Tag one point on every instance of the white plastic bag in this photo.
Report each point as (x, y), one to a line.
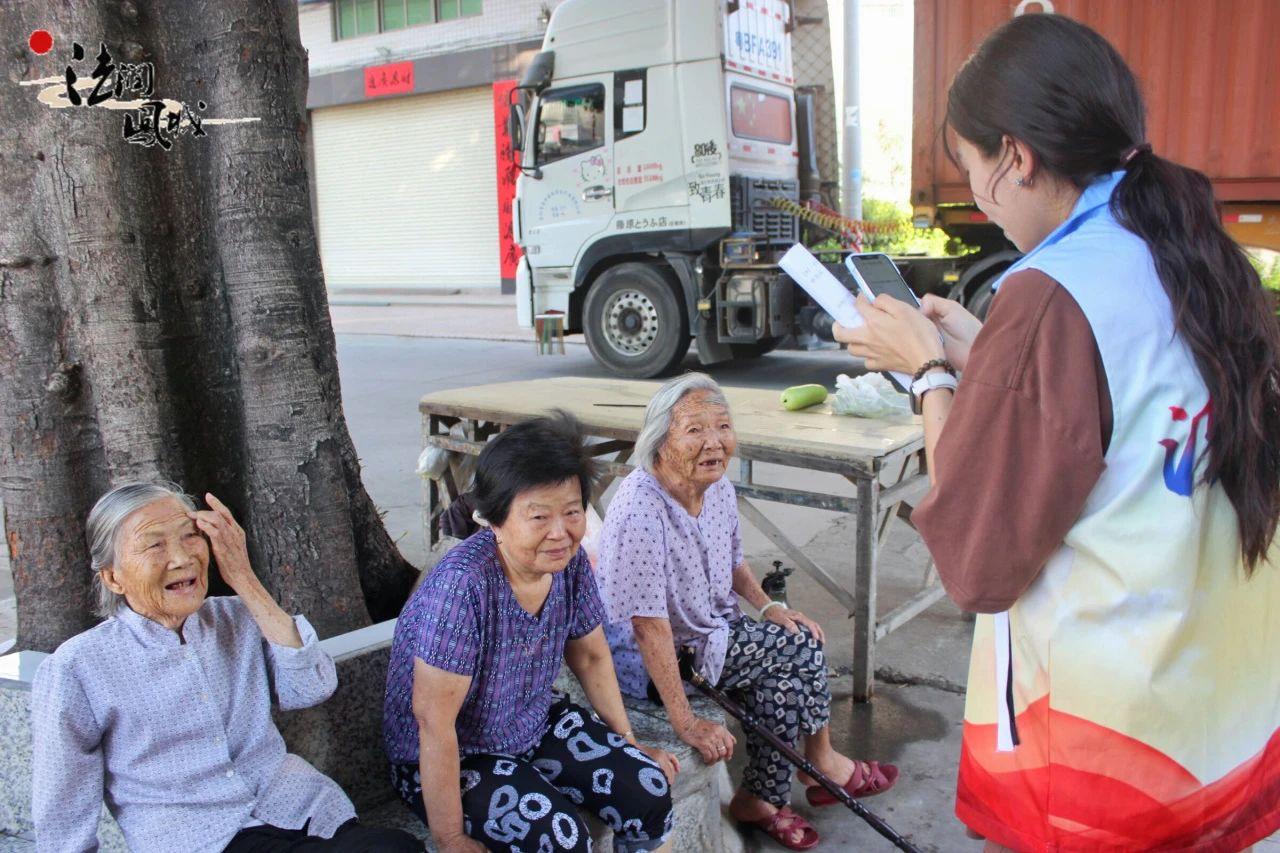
(591, 541)
(433, 461)
(869, 396)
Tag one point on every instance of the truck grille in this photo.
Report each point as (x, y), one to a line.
(751, 210)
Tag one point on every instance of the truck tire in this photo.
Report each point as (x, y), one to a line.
(634, 321)
(974, 288)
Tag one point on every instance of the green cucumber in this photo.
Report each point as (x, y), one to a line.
(802, 397)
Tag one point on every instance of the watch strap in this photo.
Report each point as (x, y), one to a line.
(929, 382)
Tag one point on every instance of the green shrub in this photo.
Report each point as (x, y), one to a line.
(1268, 266)
(894, 234)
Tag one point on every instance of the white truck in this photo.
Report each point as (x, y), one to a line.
(651, 137)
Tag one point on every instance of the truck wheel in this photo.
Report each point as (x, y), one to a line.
(634, 322)
(974, 287)
(980, 302)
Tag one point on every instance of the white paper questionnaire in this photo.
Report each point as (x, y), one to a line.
(833, 297)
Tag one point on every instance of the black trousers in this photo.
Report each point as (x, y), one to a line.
(351, 837)
(531, 801)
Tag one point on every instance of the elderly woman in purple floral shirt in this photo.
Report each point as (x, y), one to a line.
(671, 571)
(480, 747)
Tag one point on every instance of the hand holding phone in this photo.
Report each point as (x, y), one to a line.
(959, 328)
(876, 273)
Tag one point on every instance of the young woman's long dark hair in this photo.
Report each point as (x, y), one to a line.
(1063, 90)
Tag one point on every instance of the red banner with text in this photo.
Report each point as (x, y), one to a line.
(509, 251)
(395, 78)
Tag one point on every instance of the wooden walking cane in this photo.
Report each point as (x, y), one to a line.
(691, 675)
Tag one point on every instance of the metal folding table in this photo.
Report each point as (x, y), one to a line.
(881, 458)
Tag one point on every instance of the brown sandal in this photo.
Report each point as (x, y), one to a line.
(868, 779)
(781, 826)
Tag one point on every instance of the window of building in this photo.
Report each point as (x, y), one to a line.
(760, 115)
(398, 14)
(450, 9)
(570, 121)
(363, 17)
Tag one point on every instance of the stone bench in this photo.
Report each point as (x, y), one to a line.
(342, 737)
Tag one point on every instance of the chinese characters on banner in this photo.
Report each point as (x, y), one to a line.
(509, 250)
(393, 79)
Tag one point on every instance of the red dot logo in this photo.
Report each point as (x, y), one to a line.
(41, 41)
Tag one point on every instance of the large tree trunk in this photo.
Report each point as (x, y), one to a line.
(163, 313)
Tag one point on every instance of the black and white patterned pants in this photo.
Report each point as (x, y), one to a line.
(781, 679)
(527, 803)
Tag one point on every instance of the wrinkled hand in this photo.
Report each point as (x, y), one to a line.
(460, 844)
(713, 741)
(669, 763)
(792, 620)
(227, 540)
(895, 337)
(959, 327)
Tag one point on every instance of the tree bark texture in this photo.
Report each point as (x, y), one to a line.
(163, 313)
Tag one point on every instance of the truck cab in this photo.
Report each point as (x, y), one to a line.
(653, 137)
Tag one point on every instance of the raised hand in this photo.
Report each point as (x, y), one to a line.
(227, 540)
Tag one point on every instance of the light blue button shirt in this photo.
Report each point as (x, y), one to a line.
(176, 736)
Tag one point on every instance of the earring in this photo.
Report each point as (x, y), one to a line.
(1019, 182)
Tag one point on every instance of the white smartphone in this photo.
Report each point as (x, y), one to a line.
(875, 273)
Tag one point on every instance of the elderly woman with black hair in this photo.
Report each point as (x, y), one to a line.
(164, 709)
(671, 571)
(481, 748)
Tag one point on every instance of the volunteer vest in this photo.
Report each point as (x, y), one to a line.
(1141, 670)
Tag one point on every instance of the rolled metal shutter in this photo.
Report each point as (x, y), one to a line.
(407, 192)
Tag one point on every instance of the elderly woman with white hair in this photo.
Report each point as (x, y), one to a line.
(671, 571)
(163, 710)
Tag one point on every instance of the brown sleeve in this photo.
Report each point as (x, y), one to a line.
(1022, 447)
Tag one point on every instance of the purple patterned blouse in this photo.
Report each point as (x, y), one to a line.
(657, 560)
(465, 618)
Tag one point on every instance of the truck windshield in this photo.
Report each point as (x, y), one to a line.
(570, 121)
(760, 115)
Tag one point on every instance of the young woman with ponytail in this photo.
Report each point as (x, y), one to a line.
(1106, 475)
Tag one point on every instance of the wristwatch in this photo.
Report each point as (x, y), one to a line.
(926, 383)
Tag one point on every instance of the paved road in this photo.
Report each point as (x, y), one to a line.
(384, 376)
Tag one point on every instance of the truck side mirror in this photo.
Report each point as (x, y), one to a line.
(515, 128)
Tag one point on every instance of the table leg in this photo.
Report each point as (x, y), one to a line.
(433, 494)
(864, 590)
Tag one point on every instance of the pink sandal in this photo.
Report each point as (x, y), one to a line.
(782, 824)
(868, 779)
